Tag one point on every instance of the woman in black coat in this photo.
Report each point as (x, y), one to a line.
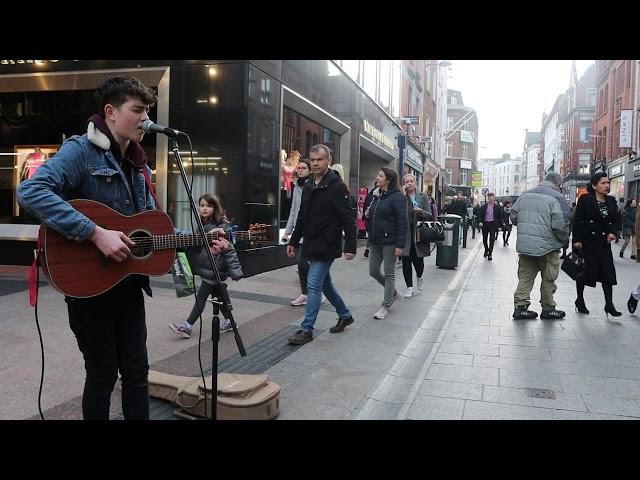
(597, 221)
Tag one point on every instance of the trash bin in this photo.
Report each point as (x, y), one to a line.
(447, 251)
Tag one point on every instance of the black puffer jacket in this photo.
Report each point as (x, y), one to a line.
(324, 213)
(388, 220)
(227, 262)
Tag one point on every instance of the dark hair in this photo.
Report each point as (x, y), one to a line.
(491, 194)
(118, 90)
(392, 176)
(507, 202)
(306, 162)
(621, 199)
(628, 204)
(594, 181)
(214, 202)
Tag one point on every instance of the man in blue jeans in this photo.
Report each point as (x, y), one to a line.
(325, 212)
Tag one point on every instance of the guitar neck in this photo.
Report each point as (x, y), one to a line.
(163, 242)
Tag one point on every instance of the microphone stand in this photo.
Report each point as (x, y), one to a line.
(220, 294)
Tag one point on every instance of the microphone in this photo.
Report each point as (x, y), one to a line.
(149, 127)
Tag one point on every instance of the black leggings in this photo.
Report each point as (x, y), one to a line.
(506, 233)
(606, 288)
(418, 263)
(204, 291)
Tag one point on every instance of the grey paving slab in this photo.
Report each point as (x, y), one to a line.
(527, 378)
(530, 342)
(469, 348)
(499, 362)
(563, 401)
(392, 389)
(435, 408)
(293, 409)
(614, 387)
(375, 410)
(464, 337)
(440, 388)
(459, 373)
(453, 359)
(501, 411)
(572, 415)
(612, 405)
(514, 396)
(524, 352)
(407, 367)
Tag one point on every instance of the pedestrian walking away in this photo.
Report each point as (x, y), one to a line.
(304, 171)
(506, 223)
(595, 226)
(629, 228)
(418, 208)
(490, 220)
(227, 263)
(325, 212)
(542, 217)
(107, 165)
(388, 231)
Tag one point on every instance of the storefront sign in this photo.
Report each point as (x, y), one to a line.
(466, 164)
(626, 119)
(376, 134)
(636, 170)
(466, 136)
(617, 170)
(476, 179)
(413, 158)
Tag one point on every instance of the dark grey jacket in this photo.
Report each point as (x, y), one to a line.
(227, 262)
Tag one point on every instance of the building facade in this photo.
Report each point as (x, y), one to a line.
(461, 156)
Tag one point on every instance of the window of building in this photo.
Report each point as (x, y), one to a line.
(453, 100)
(463, 177)
(449, 123)
(591, 97)
(605, 99)
(449, 152)
(396, 86)
(465, 151)
(370, 77)
(385, 83)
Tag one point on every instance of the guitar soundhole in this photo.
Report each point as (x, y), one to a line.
(144, 244)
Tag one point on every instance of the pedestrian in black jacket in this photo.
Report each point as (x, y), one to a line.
(388, 233)
(596, 225)
(367, 203)
(506, 223)
(324, 213)
(490, 219)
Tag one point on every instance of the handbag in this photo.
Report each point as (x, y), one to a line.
(429, 231)
(573, 265)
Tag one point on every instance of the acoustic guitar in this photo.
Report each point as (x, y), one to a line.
(80, 270)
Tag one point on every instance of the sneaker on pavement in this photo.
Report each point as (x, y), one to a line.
(408, 293)
(420, 284)
(342, 323)
(183, 329)
(300, 337)
(366, 253)
(380, 314)
(552, 314)
(301, 300)
(632, 304)
(523, 313)
(226, 326)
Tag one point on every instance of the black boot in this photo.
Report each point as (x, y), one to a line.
(523, 313)
(581, 307)
(632, 304)
(609, 309)
(554, 314)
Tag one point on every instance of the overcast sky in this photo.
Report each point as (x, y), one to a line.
(509, 96)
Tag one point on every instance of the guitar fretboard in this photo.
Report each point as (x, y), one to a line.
(163, 242)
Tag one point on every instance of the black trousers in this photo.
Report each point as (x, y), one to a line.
(112, 335)
(203, 293)
(418, 263)
(489, 229)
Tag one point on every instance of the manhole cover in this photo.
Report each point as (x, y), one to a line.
(541, 393)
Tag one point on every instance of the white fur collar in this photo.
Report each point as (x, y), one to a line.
(98, 138)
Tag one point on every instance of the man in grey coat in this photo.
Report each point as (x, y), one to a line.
(542, 216)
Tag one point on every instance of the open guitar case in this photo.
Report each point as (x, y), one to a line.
(240, 397)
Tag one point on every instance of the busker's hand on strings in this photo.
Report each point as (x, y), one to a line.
(219, 245)
(291, 251)
(112, 243)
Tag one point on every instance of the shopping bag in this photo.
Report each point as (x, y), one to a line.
(182, 275)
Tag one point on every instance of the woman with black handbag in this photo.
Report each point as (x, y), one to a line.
(595, 226)
(418, 208)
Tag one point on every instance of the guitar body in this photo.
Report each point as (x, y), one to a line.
(81, 270)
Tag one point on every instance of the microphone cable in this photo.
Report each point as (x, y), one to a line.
(40, 337)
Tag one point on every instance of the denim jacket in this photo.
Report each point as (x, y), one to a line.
(84, 167)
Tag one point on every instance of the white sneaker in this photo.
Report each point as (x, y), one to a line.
(420, 284)
(380, 314)
(301, 300)
(408, 293)
(226, 326)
